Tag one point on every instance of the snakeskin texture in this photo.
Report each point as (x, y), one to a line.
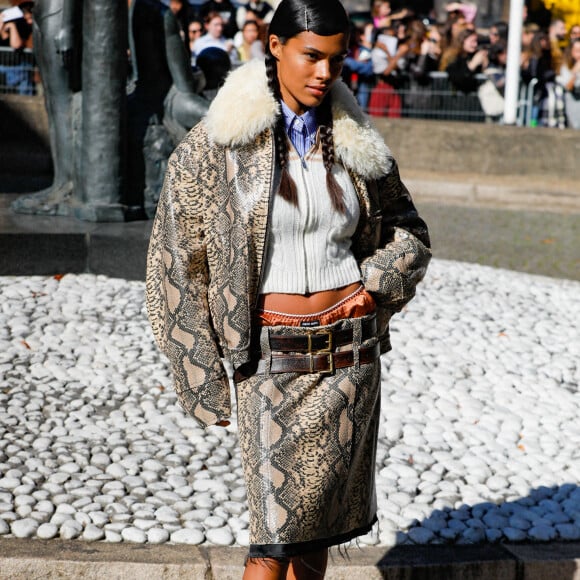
(178, 279)
(308, 445)
(206, 253)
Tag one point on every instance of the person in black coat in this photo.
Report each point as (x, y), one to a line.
(467, 62)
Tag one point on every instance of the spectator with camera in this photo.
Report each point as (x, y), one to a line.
(464, 60)
(16, 26)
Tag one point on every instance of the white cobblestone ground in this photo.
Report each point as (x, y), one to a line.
(480, 438)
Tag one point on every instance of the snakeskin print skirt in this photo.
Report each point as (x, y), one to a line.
(308, 444)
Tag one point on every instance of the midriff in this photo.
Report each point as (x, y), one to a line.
(305, 303)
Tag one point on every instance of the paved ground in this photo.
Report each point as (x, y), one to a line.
(536, 242)
(511, 229)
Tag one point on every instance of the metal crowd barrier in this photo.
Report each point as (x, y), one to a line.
(525, 112)
(438, 99)
(435, 99)
(18, 72)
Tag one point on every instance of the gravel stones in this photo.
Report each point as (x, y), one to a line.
(480, 394)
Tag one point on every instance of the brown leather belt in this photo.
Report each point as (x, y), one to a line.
(314, 340)
(322, 362)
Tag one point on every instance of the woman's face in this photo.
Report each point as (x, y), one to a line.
(194, 30)
(384, 9)
(574, 32)
(470, 43)
(401, 31)
(215, 27)
(434, 35)
(250, 33)
(175, 6)
(575, 51)
(308, 64)
(527, 37)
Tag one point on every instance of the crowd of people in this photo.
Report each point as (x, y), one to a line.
(394, 51)
(392, 56)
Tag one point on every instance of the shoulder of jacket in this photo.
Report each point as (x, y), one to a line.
(358, 143)
(243, 108)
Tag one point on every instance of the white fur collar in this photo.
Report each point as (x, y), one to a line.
(244, 108)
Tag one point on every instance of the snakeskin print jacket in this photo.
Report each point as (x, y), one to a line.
(207, 246)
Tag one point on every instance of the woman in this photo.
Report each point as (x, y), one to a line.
(284, 241)
(250, 46)
(422, 60)
(573, 33)
(194, 31)
(17, 33)
(548, 97)
(214, 38)
(569, 78)
(430, 54)
(383, 16)
(463, 61)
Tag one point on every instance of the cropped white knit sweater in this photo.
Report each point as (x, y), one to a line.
(309, 246)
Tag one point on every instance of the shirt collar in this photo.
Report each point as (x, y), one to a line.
(292, 120)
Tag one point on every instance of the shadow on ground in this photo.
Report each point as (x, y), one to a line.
(481, 541)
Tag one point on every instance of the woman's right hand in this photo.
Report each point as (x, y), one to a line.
(479, 59)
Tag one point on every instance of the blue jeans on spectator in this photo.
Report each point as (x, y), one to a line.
(18, 78)
(366, 79)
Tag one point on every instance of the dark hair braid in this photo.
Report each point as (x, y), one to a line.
(287, 188)
(324, 114)
(291, 17)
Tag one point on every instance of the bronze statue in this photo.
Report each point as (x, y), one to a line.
(77, 44)
(164, 104)
(109, 149)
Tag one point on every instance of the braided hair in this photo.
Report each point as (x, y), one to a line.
(324, 18)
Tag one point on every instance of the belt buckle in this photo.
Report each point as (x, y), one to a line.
(329, 345)
(330, 358)
(327, 351)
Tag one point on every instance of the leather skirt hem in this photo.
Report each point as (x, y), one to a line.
(281, 551)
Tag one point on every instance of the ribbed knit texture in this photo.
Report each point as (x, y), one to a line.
(309, 246)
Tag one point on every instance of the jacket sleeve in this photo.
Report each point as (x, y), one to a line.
(461, 76)
(176, 296)
(392, 272)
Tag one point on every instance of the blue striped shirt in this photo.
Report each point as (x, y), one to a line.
(301, 129)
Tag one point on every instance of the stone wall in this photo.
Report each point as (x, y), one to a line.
(493, 150)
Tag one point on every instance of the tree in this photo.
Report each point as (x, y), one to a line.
(567, 10)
